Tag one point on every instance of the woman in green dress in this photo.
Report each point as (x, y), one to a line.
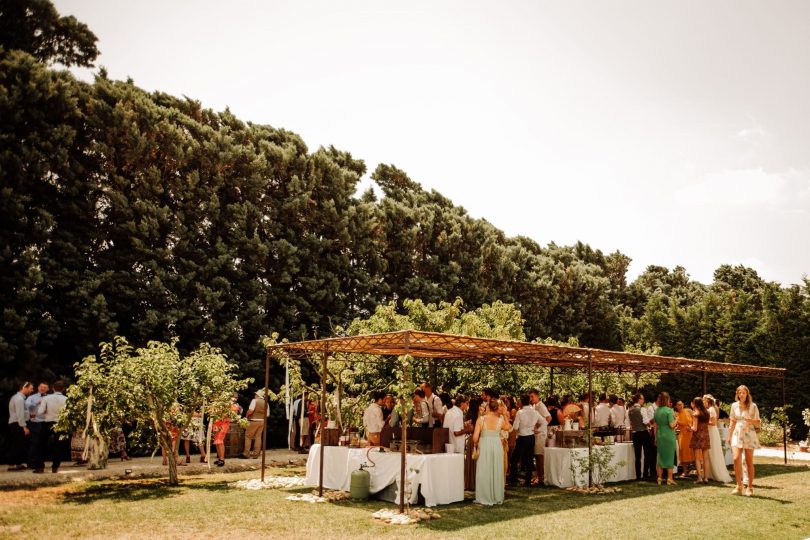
(665, 423)
(489, 477)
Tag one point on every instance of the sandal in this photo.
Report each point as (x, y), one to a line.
(737, 490)
(749, 491)
(672, 483)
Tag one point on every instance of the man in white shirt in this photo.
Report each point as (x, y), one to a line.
(373, 420)
(540, 435)
(618, 412)
(256, 413)
(454, 422)
(434, 405)
(50, 407)
(18, 427)
(601, 413)
(525, 424)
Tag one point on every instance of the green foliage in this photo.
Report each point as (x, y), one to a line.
(155, 386)
(770, 433)
(35, 27)
(125, 212)
(599, 463)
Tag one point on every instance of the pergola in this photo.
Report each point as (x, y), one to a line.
(468, 351)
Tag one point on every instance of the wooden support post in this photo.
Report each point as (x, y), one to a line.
(588, 420)
(323, 412)
(784, 431)
(404, 420)
(266, 405)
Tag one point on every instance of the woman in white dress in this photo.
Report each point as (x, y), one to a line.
(742, 437)
(717, 461)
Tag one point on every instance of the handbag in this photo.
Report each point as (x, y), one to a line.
(475, 453)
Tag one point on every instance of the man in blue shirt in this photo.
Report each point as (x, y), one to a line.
(37, 443)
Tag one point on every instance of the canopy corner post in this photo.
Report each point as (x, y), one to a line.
(705, 382)
(266, 405)
(588, 420)
(784, 428)
(323, 412)
(404, 424)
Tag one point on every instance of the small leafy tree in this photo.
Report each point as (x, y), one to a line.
(154, 386)
(600, 464)
(96, 404)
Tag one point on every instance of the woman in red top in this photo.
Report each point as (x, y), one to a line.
(313, 417)
(221, 428)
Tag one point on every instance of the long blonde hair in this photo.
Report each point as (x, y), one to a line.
(748, 400)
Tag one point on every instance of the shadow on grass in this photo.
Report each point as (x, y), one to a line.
(764, 470)
(134, 491)
(523, 502)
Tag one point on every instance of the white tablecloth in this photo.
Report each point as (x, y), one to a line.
(439, 477)
(723, 438)
(558, 465)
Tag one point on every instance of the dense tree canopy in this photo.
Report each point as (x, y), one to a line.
(141, 214)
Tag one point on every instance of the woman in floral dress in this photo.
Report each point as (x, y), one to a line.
(742, 437)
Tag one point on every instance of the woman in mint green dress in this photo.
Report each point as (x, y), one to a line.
(489, 477)
(665, 423)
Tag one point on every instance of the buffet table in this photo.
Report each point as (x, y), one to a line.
(438, 477)
(558, 465)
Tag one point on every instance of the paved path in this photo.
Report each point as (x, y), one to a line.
(793, 453)
(143, 467)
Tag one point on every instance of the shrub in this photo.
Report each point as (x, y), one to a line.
(771, 433)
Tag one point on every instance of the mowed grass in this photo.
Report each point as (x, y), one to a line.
(208, 506)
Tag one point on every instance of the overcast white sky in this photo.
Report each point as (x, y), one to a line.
(677, 132)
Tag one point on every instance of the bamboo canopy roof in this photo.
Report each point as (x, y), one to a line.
(483, 352)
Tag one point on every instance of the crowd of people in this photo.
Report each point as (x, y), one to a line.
(33, 440)
(505, 439)
(31, 419)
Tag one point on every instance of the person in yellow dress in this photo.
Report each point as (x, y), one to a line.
(685, 454)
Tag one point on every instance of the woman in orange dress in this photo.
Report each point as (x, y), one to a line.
(685, 454)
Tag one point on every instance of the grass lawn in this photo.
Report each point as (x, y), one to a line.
(206, 505)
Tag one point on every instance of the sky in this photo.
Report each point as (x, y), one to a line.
(677, 132)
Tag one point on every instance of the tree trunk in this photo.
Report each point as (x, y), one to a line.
(170, 451)
(96, 451)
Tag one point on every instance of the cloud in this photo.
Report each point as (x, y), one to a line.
(750, 133)
(787, 191)
(753, 132)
